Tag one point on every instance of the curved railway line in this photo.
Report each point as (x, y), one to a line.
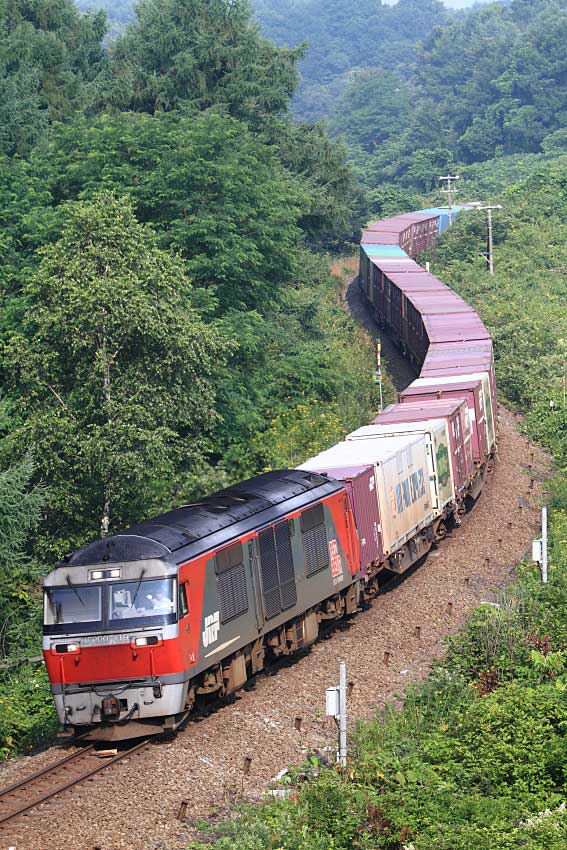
(38, 787)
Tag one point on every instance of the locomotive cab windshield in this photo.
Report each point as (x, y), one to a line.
(110, 605)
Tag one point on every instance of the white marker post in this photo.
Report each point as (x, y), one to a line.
(342, 754)
(544, 544)
(539, 547)
(336, 701)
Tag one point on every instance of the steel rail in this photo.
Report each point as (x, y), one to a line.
(58, 789)
(49, 769)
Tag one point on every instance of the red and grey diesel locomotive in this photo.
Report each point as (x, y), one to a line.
(138, 625)
(141, 625)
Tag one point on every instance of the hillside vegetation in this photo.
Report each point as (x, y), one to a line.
(416, 90)
(344, 39)
(488, 87)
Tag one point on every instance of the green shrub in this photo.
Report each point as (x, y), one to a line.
(27, 713)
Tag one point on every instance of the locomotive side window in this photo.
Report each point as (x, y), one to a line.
(314, 536)
(183, 607)
(72, 605)
(231, 580)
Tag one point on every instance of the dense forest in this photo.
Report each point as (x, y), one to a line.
(416, 89)
(487, 94)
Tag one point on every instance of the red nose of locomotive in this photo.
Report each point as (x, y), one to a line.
(110, 641)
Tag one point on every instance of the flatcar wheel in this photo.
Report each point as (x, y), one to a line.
(441, 533)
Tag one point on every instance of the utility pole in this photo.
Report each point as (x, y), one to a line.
(449, 190)
(489, 253)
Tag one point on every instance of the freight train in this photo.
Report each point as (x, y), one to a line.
(142, 625)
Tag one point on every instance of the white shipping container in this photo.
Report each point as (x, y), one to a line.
(486, 396)
(435, 431)
(401, 466)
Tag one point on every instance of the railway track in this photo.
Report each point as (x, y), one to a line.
(44, 784)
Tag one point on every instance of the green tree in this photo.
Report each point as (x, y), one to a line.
(21, 502)
(49, 55)
(213, 192)
(113, 373)
(496, 77)
(335, 206)
(375, 106)
(197, 54)
(343, 37)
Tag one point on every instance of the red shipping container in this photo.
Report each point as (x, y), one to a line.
(389, 226)
(361, 485)
(455, 411)
(438, 301)
(455, 349)
(441, 368)
(381, 237)
(401, 265)
(462, 327)
(418, 282)
(470, 389)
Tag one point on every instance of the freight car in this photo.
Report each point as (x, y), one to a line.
(142, 625)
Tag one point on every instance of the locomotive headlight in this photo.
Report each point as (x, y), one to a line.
(99, 575)
(151, 640)
(61, 648)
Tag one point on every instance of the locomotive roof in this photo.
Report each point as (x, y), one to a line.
(210, 522)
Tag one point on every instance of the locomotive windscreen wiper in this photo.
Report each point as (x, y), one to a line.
(142, 574)
(75, 591)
